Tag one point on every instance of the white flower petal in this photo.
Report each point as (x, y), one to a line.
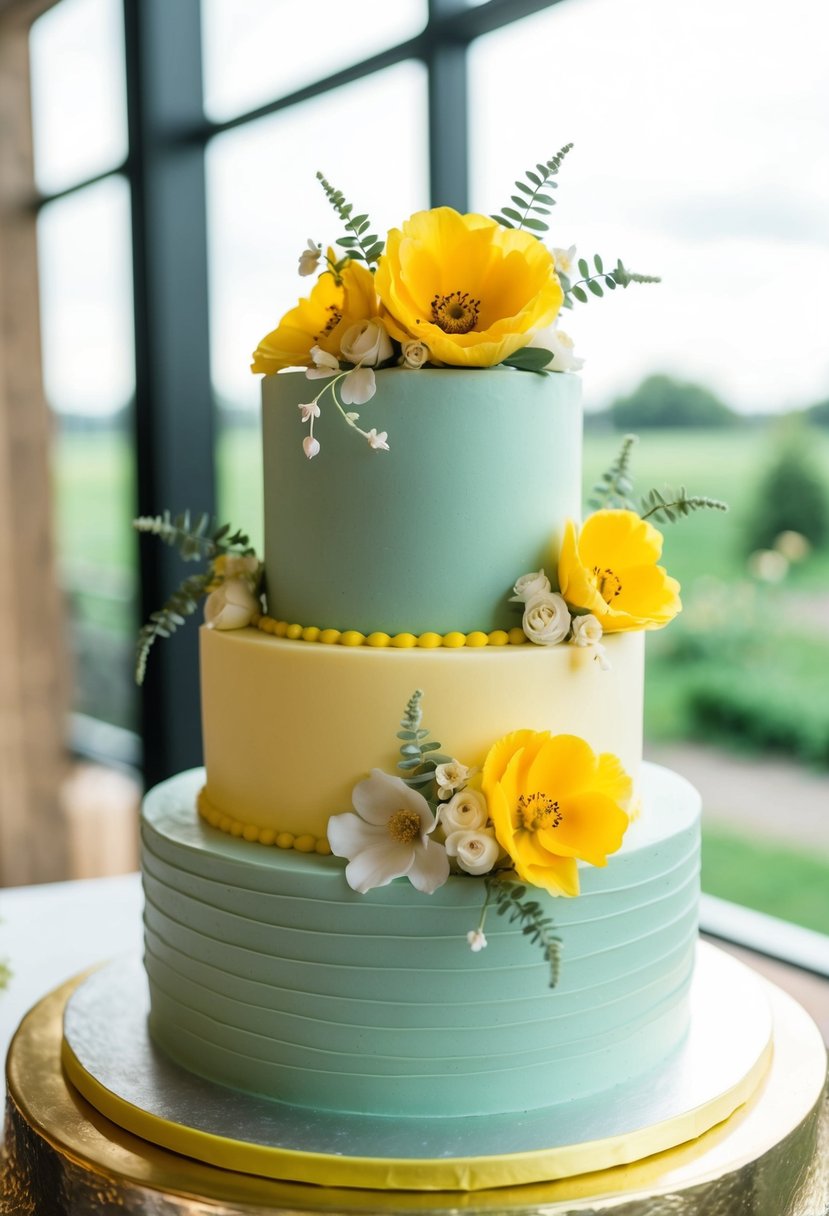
(379, 865)
(358, 387)
(348, 834)
(430, 869)
(380, 795)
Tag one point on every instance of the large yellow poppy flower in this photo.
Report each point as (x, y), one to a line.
(553, 800)
(320, 320)
(473, 291)
(609, 568)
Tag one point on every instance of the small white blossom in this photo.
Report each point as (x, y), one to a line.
(309, 258)
(367, 343)
(565, 260)
(529, 586)
(324, 364)
(476, 939)
(475, 852)
(389, 837)
(546, 619)
(358, 387)
(308, 411)
(450, 777)
(587, 630)
(310, 446)
(378, 442)
(351, 416)
(231, 606)
(413, 354)
(600, 657)
(560, 346)
(467, 811)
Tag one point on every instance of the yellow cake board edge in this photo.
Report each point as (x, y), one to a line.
(457, 1174)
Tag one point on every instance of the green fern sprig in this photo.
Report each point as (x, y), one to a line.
(614, 489)
(510, 899)
(193, 540)
(419, 758)
(677, 505)
(598, 279)
(360, 244)
(181, 604)
(533, 201)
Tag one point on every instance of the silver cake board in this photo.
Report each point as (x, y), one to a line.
(111, 1060)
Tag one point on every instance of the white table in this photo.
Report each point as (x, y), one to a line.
(51, 932)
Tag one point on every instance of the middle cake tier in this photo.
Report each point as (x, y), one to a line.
(290, 727)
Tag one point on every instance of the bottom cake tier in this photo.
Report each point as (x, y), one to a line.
(270, 975)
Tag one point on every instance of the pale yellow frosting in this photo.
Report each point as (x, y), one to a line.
(289, 728)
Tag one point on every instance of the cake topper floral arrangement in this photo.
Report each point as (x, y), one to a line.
(443, 290)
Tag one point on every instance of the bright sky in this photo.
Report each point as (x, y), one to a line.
(701, 154)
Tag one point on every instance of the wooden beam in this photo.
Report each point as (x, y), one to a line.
(33, 670)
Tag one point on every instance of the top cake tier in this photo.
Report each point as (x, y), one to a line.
(483, 469)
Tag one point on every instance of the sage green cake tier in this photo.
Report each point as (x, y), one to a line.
(269, 974)
(484, 468)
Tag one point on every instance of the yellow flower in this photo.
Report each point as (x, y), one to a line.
(320, 320)
(472, 291)
(609, 568)
(552, 800)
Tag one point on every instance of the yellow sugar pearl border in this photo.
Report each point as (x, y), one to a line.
(255, 834)
(398, 641)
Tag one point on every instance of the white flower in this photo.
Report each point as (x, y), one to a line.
(476, 852)
(565, 260)
(587, 630)
(388, 838)
(324, 365)
(560, 346)
(231, 606)
(378, 442)
(308, 411)
(546, 619)
(529, 586)
(476, 940)
(450, 777)
(366, 342)
(413, 354)
(309, 258)
(467, 812)
(310, 446)
(358, 387)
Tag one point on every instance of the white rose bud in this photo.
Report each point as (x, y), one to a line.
(414, 354)
(561, 347)
(450, 776)
(587, 630)
(546, 619)
(475, 852)
(529, 586)
(467, 812)
(231, 606)
(366, 342)
(476, 939)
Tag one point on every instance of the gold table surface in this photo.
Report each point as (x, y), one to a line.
(769, 1159)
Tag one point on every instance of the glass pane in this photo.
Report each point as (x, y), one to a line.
(78, 92)
(263, 204)
(88, 361)
(256, 50)
(700, 155)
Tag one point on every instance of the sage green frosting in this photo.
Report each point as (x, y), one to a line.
(483, 469)
(269, 974)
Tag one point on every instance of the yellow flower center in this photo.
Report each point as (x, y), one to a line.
(536, 811)
(404, 826)
(608, 584)
(456, 313)
(335, 316)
